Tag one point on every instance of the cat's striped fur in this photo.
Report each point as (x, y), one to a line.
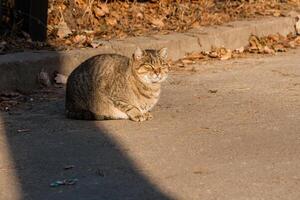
(111, 86)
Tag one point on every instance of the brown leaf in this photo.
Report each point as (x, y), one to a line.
(44, 79)
(96, 43)
(255, 43)
(195, 56)
(79, 39)
(274, 37)
(297, 40)
(60, 79)
(140, 15)
(240, 50)
(104, 8)
(80, 3)
(292, 44)
(277, 13)
(196, 24)
(111, 21)
(268, 50)
(227, 55)
(157, 22)
(187, 61)
(213, 54)
(63, 30)
(279, 48)
(98, 12)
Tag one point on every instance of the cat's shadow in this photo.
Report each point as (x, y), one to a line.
(54, 143)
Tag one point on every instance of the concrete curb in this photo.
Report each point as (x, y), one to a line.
(18, 71)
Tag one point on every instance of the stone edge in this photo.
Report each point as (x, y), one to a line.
(18, 71)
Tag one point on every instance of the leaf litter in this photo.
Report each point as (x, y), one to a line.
(270, 44)
(119, 19)
(77, 23)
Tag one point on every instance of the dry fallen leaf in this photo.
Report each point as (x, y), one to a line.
(96, 43)
(98, 12)
(227, 55)
(277, 13)
(213, 54)
(274, 37)
(63, 30)
(268, 50)
(196, 24)
(79, 39)
(44, 79)
(60, 79)
(279, 48)
(297, 40)
(255, 43)
(111, 21)
(240, 50)
(292, 44)
(195, 56)
(213, 91)
(80, 3)
(157, 22)
(104, 8)
(140, 15)
(187, 61)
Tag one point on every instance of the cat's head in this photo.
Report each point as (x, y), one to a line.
(151, 66)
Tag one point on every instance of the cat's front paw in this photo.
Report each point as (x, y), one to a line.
(138, 118)
(148, 116)
(142, 117)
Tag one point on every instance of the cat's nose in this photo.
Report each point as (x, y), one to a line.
(157, 71)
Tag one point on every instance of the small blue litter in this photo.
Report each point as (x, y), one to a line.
(71, 181)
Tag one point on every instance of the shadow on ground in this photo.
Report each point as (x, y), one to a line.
(39, 156)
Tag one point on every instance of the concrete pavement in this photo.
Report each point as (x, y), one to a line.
(226, 130)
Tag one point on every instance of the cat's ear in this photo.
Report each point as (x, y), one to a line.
(163, 53)
(138, 53)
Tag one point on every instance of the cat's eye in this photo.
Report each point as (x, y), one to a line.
(149, 67)
(165, 66)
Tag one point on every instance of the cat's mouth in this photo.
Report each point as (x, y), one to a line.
(150, 79)
(159, 79)
(156, 79)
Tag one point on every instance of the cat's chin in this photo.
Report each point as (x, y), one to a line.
(157, 81)
(154, 82)
(149, 82)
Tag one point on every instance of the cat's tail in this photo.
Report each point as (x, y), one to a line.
(85, 115)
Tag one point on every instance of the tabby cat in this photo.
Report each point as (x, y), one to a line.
(112, 86)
